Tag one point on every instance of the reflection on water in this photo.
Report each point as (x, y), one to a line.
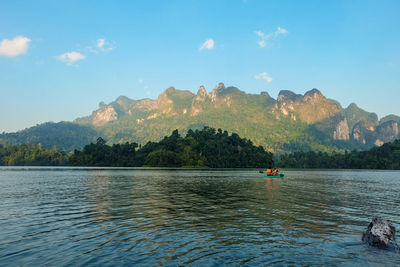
(157, 216)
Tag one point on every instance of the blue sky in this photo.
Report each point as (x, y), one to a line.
(59, 59)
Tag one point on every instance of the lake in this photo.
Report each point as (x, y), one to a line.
(148, 216)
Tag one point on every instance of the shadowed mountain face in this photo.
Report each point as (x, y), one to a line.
(65, 136)
(289, 123)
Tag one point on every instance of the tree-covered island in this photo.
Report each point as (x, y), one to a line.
(199, 148)
(206, 148)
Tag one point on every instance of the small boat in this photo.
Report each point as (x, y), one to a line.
(275, 176)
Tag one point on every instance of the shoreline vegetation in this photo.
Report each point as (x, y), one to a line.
(206, 148)
(386, 157)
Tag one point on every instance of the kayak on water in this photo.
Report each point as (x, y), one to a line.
(275, 176)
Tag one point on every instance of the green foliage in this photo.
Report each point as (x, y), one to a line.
(163, 158)
(100, 154)
(385, 157)
(65, 135)
(31, 155)
(199, 148)
(390, 117)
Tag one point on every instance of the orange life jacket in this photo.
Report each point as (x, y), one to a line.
(269, 171)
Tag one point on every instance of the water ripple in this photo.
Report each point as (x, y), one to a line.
(192, 217)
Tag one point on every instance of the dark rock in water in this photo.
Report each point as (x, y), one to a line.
(381, 234)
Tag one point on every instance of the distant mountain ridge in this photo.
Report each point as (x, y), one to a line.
(66, 136)
(291, 122)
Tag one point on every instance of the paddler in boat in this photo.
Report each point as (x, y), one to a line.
(269, 171)
(275, 172)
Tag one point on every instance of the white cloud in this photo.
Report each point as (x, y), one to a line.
(263, 76)
(281, 31)
(17, 46)
(208, 44)
(265, 37)
(71, 57)
(103, 45)
(100, 43)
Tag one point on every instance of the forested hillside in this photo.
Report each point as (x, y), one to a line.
(66, 136)
(385, 157)
(292, 122)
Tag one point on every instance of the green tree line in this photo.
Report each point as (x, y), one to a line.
(199, 148)
(386, 156)
(31, 155)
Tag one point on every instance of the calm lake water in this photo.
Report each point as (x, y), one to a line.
(72, 216)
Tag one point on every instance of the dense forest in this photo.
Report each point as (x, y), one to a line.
(208, 148)
(31, 155)
(386, 156)
(199, 148)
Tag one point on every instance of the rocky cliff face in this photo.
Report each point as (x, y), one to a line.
(311, 108)
(144, 105)
(354, 114)
(366, 133)
(198, 101)
(290, 119)
(363, 131)
(316, 107)
(387, 131)
(222, 96)
(164, 103)
(104, 115)
(342, 131)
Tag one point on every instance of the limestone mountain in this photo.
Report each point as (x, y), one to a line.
(291, 122)
(311, 108)
(390, 117)
(354, 114)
